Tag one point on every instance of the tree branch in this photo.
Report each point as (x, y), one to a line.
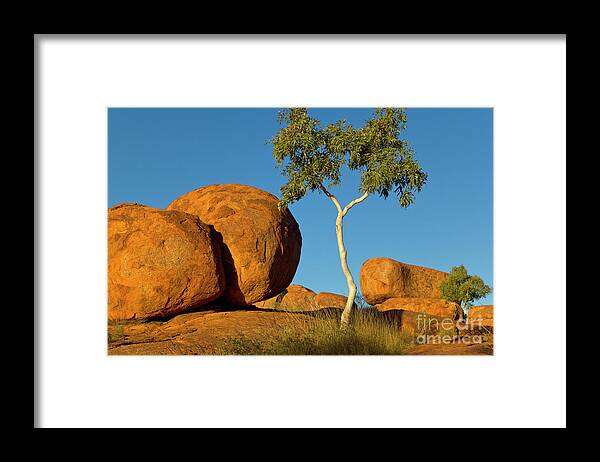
(354, 202)
(333, 199)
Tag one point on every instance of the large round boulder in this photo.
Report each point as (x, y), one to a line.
(383, 278)
(160, 263)
(330, 300)
(260, 244)
(293, 298)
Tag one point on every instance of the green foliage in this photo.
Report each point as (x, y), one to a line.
(312, 156)
(116, 331)
(462, 288)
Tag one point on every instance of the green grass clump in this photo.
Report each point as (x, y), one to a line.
(116, 331)
(320, 334)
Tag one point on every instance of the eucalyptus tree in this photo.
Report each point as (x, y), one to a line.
(311, 158)
(462, 288)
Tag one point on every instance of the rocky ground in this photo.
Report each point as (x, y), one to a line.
(200, 333)
(485, 348)
(192, 333)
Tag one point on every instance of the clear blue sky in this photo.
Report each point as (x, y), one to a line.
(155, 155)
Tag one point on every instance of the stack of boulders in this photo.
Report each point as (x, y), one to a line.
(228, 243)
(406, 291)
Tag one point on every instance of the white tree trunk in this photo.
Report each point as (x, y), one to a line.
(349, 279)
(345, 320)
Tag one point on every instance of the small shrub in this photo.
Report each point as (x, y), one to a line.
(116, 331)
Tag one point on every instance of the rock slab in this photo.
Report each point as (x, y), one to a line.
(431, 306)
(482, 315)
(197, 333)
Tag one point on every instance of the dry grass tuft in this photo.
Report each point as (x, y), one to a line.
(320, 334)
